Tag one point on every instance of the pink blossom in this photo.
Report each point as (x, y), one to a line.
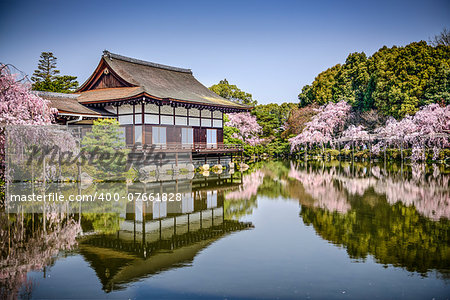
(249, 129)
(323, 126)
(427, 128)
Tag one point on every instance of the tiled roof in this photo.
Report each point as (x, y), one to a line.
(110, 94)
(68, 103)
(155, 80)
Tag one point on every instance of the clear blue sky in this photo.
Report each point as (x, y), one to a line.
(269, 49)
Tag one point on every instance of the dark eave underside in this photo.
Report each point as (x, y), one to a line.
(136, 95)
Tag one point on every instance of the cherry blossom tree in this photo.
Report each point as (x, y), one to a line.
(323, 127)
(23, 115)
(355, 133)
(249, 129)
(427, 128)
(19, 106)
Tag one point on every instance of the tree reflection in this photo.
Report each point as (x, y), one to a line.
(240, 202)
(393, 234)
(332, 186)
(398, 217)
(30, 243)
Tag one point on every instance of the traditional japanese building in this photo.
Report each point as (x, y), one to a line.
(154, 104)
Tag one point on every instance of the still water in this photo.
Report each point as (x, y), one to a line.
(279, 230)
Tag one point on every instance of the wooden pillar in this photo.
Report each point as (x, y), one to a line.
(306, 152)
(323, 151)
(401, 150)
(188, 222)
(353, 150)
(143, 231)
(175, 225)
(160, 230)
(134, 224)
(339, 148)
(223, 216)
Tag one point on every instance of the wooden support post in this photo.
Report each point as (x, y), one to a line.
(339, 148)
(353, 150)
(223, 217)
(401, 150)
(323, 152)
(175, 225)
(306, 152)
(143, 231)
(160, 230)
(188, 223)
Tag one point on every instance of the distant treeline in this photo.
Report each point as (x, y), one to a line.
(394, 81)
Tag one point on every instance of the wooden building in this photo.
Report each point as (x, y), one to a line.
(157, 104)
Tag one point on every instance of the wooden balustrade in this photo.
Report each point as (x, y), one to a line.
(197, 148)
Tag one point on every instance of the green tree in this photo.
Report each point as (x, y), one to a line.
(46, 70)
(438, 88)
(46, 77)
(273, 119)
(396, 81)
(105, 141)
(233, 93)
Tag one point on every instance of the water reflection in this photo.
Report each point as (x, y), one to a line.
(122, 241)
(31, 242)
(397, 214)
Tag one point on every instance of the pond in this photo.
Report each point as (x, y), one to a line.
(281, 229)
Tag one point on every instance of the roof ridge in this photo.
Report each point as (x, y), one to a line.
(56, 94)
(110, 55)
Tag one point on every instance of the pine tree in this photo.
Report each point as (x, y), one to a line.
(46, 68)
(46, 76)
(106, 143)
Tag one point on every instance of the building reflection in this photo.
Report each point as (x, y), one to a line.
(122, 241)
(157, 236)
